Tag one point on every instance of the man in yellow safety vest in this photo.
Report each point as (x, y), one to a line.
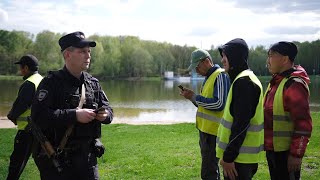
(19, 112)
(240, 135)
(210, 103)
(287, 119)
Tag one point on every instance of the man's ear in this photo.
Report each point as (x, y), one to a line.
(286, 60)
(23, 66)
(26, 68)
(208, 61)
(66, 54)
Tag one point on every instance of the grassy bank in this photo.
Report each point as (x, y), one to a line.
(156, 152)
(10, 77)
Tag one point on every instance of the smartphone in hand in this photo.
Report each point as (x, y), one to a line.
(99, 109)
(181, 87)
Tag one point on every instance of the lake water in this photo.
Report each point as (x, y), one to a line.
(146, 102)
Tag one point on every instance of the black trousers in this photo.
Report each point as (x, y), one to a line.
(245, 171)
(209, 165)
(20, 155)
(80, 164)
(278, 166)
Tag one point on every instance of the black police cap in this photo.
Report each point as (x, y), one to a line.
(75, 39)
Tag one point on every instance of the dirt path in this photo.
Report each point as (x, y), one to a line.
(5, 123)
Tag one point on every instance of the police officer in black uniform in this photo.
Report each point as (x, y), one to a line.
(20, 111)
(57, 108)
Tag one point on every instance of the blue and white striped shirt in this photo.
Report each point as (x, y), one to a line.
(221, 89)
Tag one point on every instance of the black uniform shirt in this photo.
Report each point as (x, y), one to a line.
(54, 107)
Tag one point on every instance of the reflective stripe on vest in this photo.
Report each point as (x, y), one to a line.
(283, 127)
(243, 149)
(252, 127)
(22, 119)
(207, 120)
(251, 150)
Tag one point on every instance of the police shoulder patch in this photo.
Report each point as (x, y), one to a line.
(42, 95)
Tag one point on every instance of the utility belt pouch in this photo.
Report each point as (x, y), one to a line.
(98, 147)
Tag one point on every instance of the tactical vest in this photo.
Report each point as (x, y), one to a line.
(283, 127)
(251, 150)
(207, 120)
(22, 119)
(68, 97)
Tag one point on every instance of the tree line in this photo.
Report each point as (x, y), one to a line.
(129, 56)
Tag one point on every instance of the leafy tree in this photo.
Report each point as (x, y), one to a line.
(128, 56)
(13, 45)
(141, 61)
(257, 60)
(47, 50)
(128, 44)
(182, 56)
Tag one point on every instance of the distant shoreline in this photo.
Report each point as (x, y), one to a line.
(6, 123)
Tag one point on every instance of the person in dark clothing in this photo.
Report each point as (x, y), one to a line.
(19, 112)
(287, 119)
(72, 100)
(240, 135)
(210, 103)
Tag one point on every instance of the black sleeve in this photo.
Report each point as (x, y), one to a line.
(23, 100)
(243, 106)
(104, 102)
(46, 110)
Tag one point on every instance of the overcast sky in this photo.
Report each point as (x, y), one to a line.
(199, 23)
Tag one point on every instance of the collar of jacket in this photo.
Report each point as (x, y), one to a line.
(75, 81)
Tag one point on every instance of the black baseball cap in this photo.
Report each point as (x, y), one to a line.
(29, 60)
(75, 39)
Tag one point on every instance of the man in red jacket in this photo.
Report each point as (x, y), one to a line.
(287, 120)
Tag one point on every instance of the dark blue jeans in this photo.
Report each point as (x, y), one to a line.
(209, 165)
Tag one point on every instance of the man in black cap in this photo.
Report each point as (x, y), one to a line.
(287, 119)
(70, 107)
(240, 134)
(19, 113)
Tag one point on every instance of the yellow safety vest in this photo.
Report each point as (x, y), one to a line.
(22, 119)
(251, 150)
(207, 120)
(282, 124)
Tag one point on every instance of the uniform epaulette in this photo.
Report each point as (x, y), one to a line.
(90, 77)
(94, 79)
(55, 74)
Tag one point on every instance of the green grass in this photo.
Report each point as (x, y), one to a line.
(156, 152)
(10, 77)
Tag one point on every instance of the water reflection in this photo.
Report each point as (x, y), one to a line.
(138, 102)
(168, 84)
(162, 112)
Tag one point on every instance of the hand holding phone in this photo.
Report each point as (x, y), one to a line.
(99, 109)
(181, 87)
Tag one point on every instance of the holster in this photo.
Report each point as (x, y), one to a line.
(98, 148)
